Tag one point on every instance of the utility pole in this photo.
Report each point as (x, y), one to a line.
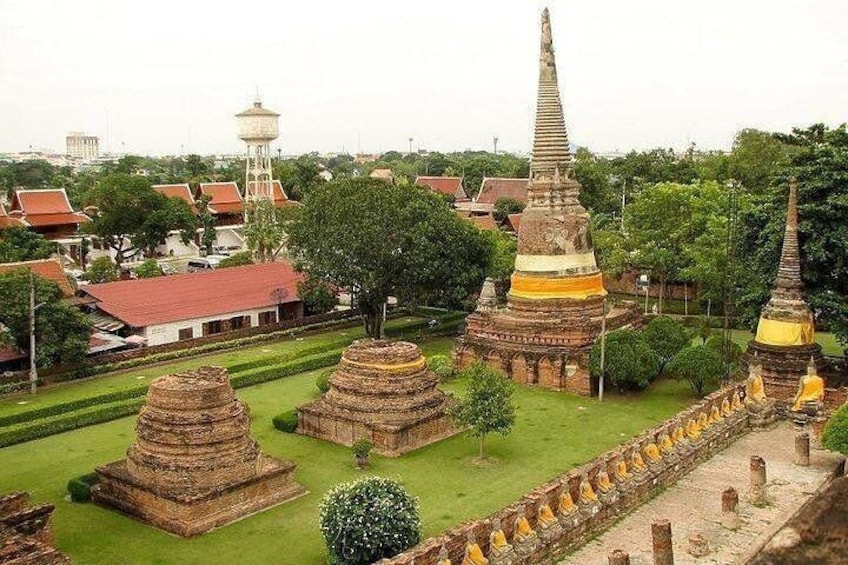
(33, 307)
(603, 352)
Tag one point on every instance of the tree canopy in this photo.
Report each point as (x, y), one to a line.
(629, 363)
(700, 365)
(384, 240)
(22, 244)
(487, 406)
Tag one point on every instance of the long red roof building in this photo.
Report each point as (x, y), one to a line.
(449, 186)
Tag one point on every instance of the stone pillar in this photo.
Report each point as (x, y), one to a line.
(757, 493)
(661, 535)
(802, 449)
(619, 557)
(729, 501)
(698, 545)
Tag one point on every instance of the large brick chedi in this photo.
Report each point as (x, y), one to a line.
(383, 392)
(194, 466)
(556, 299)
(785, 340)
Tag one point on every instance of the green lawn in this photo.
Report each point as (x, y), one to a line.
(554, 432)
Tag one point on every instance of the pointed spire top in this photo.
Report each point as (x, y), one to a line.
(547, 63)
(789, 271)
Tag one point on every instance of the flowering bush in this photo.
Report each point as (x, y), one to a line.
(366, 520)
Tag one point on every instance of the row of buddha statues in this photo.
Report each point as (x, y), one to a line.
(638, 467)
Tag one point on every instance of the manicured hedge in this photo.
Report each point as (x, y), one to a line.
(286, 422)
(72, 406)
(80, 487)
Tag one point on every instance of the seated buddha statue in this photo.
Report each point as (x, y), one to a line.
(566, 504)
(523, 531)
(678, 435)
(474, 555)
(637, 464)
(587, 493)
(652, 452)
(443, 558)
(693, 432)
(621, 472)
(604, 483)
(810, 390)
(703, 421)
(499, 548)
(715, 414)
(755, 392)
(666, 445)
(545, 517)
(736, 402)
(725, 408)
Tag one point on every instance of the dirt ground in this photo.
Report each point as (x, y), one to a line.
(818, 534)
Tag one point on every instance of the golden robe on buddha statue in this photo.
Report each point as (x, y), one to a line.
(810, 390)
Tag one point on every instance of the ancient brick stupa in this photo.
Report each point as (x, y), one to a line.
(785, 341)
(194, 466)
(26, 532)
(556, 300)
(381, 391)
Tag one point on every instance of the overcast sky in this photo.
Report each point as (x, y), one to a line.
(161, 77)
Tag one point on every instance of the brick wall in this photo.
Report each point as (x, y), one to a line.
(632, 493)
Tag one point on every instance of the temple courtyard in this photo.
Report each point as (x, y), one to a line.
(694, 504)
(554, 432)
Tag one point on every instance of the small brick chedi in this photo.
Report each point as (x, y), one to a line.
(194, 466)
(382, 391)
(556, 300)
(785, 342)
(26, 532)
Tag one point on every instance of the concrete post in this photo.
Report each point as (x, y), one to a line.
(757, 494)
(661, 536)
(619, 557)
(802, 449)
(729, 501)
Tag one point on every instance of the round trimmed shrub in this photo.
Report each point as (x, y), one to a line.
(286, 422)
(443, 366)
(700, 365)
(322, 381)
(835, 434)
(728, 350)
(666, 337)
(80, 487)
(630, 363)
(367, 520)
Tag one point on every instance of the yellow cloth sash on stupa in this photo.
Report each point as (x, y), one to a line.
(775, 332)
(577, 287)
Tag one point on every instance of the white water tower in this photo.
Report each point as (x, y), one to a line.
(257, 126)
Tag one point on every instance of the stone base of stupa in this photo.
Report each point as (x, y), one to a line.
(783, 366)
(382, 392)
(190, 515)
(540, 350)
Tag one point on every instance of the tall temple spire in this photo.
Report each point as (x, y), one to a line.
(789, 282)
(550, 144)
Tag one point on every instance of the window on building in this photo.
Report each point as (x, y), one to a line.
(236, 323)
(186, 333)
(267, 318)
(213, 327)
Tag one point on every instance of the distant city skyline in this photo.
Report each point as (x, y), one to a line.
(168, 77)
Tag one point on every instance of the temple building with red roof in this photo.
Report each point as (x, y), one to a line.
(7, 221)
(177, 307)
(173, 245)
(281, 200)
(49, 269)
(227, 206)
(49, 213)
(447, 186)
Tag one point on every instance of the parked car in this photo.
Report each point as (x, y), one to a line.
(204, 263)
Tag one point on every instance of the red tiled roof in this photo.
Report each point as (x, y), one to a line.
(181, 191)
(144, 302)
(493, 189)
(514, 221)
(483, 222)
(7, 222)
(226, 198)
(280, 198)
(45, 208)
(451, 186)
(10, 353)
(49, 269)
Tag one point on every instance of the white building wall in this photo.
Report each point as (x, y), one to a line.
(170, 332)
(173, 243)
(229, 236)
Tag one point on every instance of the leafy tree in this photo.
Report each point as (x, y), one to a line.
(758, 158)
(506, 206)
(504, 248)
(629, 362)
(367, 520)
(239, 259)
(728, 351)
(148, 269)
(487, 406)
(133, 217)
(207, 223)
(21, 244)
(700, 365)
(388, 240)
(666, 337)
(317, 296)
(61, 330)
(835, 434)
(102, 270)
(443, 366)
(266, 229)
(34, 173)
